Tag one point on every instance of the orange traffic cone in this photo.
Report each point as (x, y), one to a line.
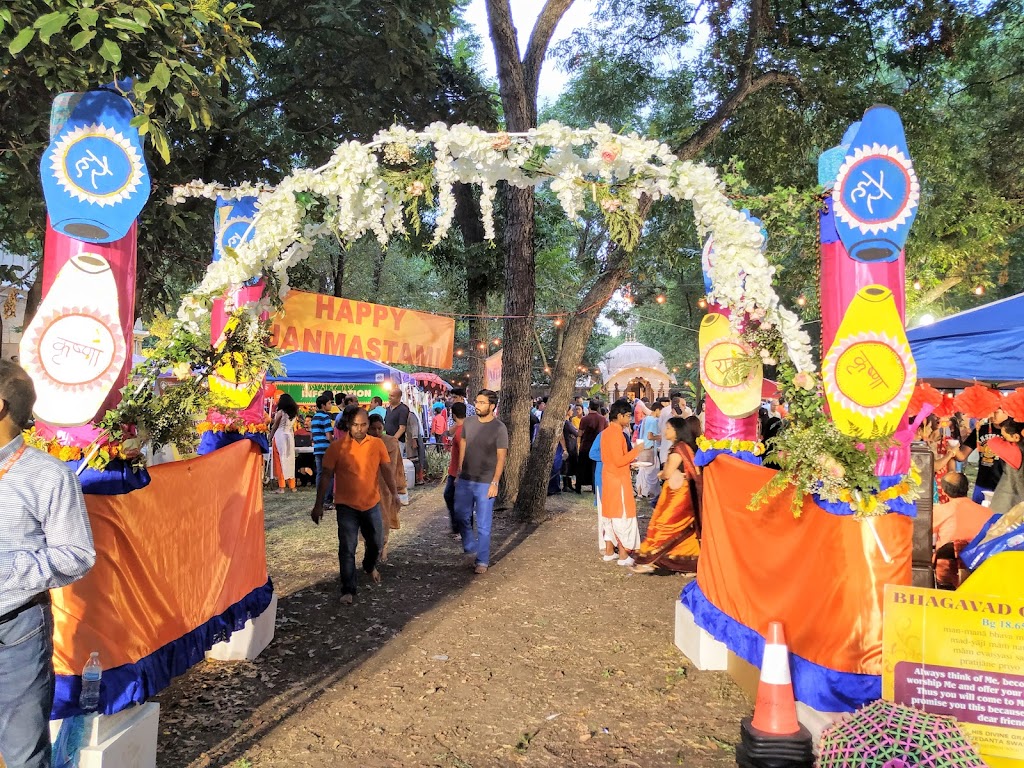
(775, 709)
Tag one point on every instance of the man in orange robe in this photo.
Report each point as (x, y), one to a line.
(618, 509)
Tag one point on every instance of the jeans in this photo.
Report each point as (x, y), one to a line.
(471, 499)
(350, 523)
(319, 459)
(449, 500)
(26, 688)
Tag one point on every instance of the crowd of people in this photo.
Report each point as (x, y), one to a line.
(960, 512)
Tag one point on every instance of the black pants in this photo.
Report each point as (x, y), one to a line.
(449, 501)
(350, 523)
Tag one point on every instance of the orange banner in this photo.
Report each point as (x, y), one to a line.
(492, 371)
(169, 557)
(822, 575)
(312, 322)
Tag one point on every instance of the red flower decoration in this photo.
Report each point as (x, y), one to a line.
(947, 407)
(1014, 404)
(977, 401)
(924, 394)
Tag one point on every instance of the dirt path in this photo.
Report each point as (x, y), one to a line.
(552, 658)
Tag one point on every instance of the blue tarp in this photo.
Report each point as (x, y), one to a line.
(310, 366)
(983, 344)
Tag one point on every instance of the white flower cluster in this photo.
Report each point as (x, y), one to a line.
(358, 200)
(211, 190)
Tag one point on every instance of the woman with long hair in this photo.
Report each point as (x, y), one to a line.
(672, 539)
(282, 438)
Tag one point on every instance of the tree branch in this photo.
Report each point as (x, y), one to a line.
(511, 83)
(711, 127)
(540, 39)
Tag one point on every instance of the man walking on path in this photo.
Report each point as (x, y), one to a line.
(45, 543)
(591, 427)
(482, 451)
(352, 465)
(321, 431)
(396, 419)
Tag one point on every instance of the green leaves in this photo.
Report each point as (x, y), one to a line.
(82, 39)
(51, 23)
(21, 41)
(110, 51)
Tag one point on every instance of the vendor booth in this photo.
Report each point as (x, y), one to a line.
(981, 344)
(307, 374)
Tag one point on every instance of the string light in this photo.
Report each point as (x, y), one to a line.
(558, 322)
(917, 285)
(497, 342)
(979, 290)
(481, 346)
(689, 365)
(660, 298)
(675, 370)
(458, 352)
(702, 303)
(801, 300)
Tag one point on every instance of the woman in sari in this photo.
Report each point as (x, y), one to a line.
(672, 539)
(282, 441)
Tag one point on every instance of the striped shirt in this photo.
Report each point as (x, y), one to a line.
(320, 427)
(45, 538)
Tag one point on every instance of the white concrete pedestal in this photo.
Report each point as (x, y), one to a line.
(697, 645)
(124, 740)
(247, 643)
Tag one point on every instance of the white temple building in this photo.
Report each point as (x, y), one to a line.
(632, 368)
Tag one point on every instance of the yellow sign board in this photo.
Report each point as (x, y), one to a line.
(312, 322)
(959, 654)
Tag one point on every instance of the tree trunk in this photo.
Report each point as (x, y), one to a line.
(378, 268)
(518, 80)
(532, 496)
(339, 273)
(34, 296)
(517, 358)
(478, 282)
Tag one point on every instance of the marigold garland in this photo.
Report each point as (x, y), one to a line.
(234, 426)
(99, 459)
(736, 446)
(873, 504)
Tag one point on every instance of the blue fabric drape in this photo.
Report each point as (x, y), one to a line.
(115, 479)
(705, 457)
(898, 506)
(211, 441)
(821, 688)
(129, 684)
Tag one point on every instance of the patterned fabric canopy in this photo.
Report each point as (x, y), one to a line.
(885, 735)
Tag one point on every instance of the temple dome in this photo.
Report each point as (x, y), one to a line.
(629, 355)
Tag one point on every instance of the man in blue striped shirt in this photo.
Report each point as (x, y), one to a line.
(45, 543)
(321, 429)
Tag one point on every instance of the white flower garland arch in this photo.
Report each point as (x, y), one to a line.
(362, 194)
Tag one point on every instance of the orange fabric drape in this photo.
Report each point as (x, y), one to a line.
(822, 575)
(169, 557)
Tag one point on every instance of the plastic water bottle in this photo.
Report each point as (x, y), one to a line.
(91, 675)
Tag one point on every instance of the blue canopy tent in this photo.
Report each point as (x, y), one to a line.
(310, 366)
(983, 344)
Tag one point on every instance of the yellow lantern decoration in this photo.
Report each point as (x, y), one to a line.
(869, 373)
(730, 370)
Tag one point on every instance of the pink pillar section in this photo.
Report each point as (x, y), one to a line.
(122, 257)
(842, 277)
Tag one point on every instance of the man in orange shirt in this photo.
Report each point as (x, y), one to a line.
(960, 519)
(353, 464)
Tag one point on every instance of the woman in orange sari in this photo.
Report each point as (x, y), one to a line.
(672, 535)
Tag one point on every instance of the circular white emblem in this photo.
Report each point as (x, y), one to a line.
(96, 164)
(876, 189)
